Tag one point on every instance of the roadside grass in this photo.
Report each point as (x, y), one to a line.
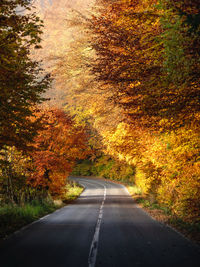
(72, 192)
(163, 214)
(14, 217)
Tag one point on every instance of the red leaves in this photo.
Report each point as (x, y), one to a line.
(57, 146)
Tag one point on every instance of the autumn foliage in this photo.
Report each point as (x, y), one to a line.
(43, 169)
(148, 51)
(130, 81)
(22, 80)
(38, 145)
(144, 67)
(57, 146)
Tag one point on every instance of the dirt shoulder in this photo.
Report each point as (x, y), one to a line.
(189, 230)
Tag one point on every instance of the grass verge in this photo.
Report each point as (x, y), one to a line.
(13, 217)
(73, 191)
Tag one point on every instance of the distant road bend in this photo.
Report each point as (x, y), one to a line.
(103, 228)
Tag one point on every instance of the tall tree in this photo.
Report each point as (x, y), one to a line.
(21, 79)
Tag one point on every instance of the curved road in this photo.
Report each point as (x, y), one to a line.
(103, 227)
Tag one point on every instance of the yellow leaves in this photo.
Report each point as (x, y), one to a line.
(121, 157)
(168, 163)
(134, 84)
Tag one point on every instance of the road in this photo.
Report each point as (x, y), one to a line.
(103, 227)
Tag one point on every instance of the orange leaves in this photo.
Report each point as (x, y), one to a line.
(150, 121)
(128, 55)
(57, 146)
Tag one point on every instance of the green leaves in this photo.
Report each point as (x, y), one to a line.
(22, 80)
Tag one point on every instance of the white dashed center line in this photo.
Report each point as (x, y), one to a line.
(94, 245)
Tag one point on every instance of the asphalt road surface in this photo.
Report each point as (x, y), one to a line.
(103, 227)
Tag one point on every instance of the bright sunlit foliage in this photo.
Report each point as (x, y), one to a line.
(129, 86)
(142, 96)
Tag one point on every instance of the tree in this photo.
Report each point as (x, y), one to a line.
(148, 51)
(57, 146)
(21, 78)
(124, 39)
(144, 57)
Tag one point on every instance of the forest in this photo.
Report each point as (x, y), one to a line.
(130, 86)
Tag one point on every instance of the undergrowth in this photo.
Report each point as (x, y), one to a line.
(13, 217)
(73, 190)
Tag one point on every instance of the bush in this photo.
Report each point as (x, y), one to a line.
(106, 167)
